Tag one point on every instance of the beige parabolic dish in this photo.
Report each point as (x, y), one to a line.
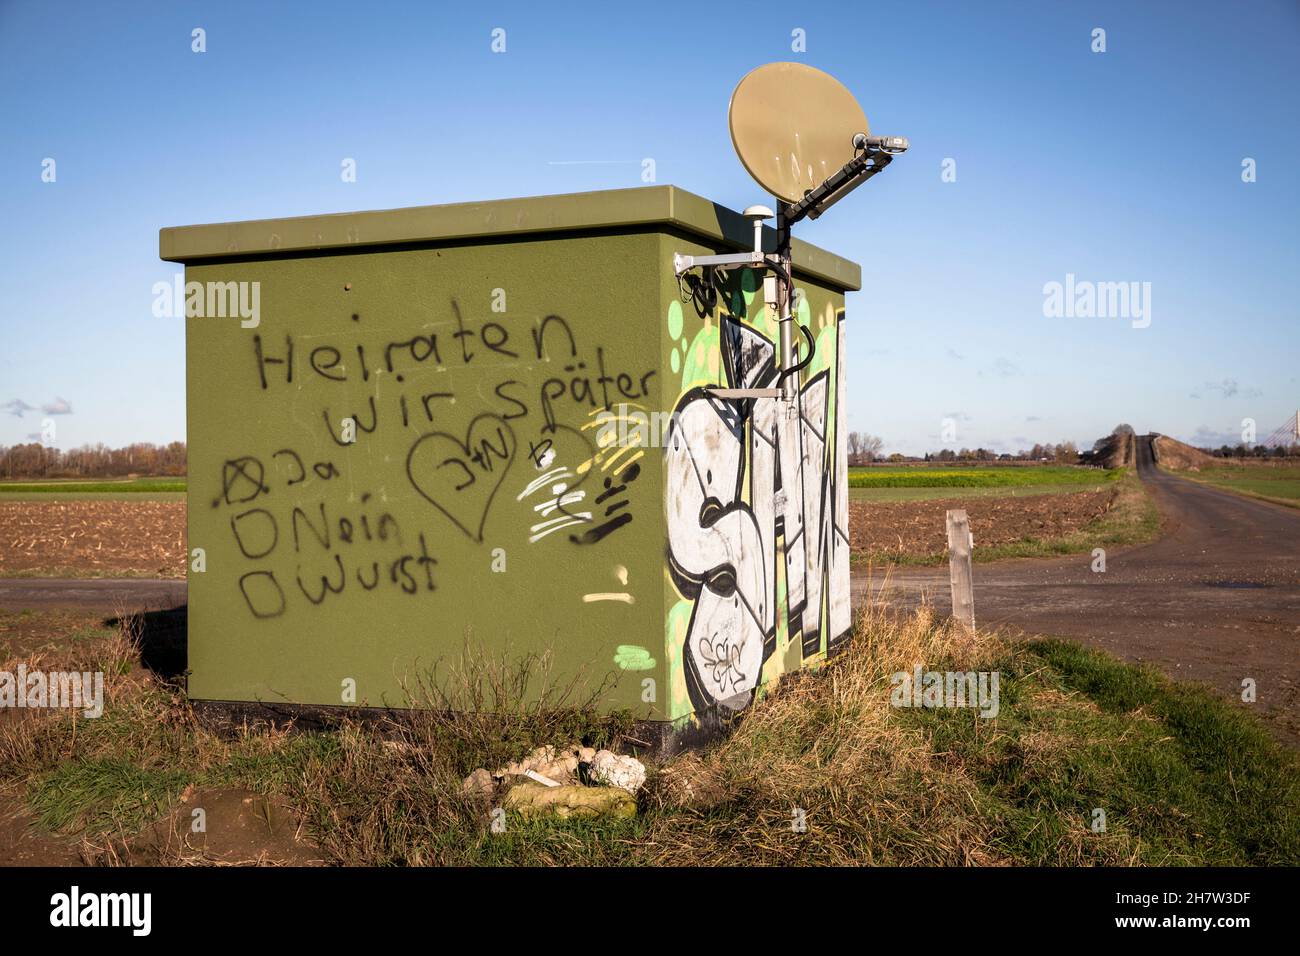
(793, 126)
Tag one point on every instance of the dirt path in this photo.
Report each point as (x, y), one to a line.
(1216, 599)
(97, 595)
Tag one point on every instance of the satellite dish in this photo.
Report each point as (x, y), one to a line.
(804, 138)
(794, 127)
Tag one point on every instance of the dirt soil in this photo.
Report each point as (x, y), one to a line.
(238, 828)
(23, 843)
(1216, 599)
(27, 635)
(90, 538)
(888, 531)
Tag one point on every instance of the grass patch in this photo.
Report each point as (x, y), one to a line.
(1184, 776)
(887, 494)
(977, 477)
(102, 486)
(1277, 482)
(1230, 793)
(107, 795)
(1286, 491)
(81, 572)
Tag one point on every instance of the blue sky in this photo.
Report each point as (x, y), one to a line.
(1117, 166)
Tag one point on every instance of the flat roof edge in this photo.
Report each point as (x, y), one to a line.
(571, 212)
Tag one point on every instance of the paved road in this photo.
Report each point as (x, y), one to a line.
(94, 595)
(1216, 599)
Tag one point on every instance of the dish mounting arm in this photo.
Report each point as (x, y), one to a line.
(874, 154)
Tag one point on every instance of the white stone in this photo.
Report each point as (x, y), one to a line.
(627, 773)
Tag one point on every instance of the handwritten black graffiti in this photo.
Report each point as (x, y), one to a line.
(257, 601)
(269, 532)
(242, 480)
(538, 380)
(615, 516)
(245, 478)
(460, 477)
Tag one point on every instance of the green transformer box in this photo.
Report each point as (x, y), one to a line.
(487, 428)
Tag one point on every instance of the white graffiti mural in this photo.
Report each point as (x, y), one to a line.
(756, 493)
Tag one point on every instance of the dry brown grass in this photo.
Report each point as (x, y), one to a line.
(872, 789)
(876, 784)
(1175, 455)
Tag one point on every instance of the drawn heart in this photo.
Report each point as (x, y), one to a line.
(460, 478)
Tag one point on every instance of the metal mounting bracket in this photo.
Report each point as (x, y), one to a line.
(745, 392)
(735, 260)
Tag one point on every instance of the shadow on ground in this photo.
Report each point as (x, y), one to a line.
(162, 637)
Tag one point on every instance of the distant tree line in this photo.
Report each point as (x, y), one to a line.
(92, 461)
(1064, 453)
(864, 449)
(1253, 451)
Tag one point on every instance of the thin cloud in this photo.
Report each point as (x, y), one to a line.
(1004, 368)
(59, 406)
(1207, 437)
(1228, 388)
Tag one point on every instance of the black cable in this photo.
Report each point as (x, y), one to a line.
(812, 350)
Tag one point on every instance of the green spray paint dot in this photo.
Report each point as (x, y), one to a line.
(702, 364)
(674, 320)
(675, 360)
(630, 657)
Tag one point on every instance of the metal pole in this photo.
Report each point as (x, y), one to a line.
(786, 294)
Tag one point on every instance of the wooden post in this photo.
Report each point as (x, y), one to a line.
(960, 541)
